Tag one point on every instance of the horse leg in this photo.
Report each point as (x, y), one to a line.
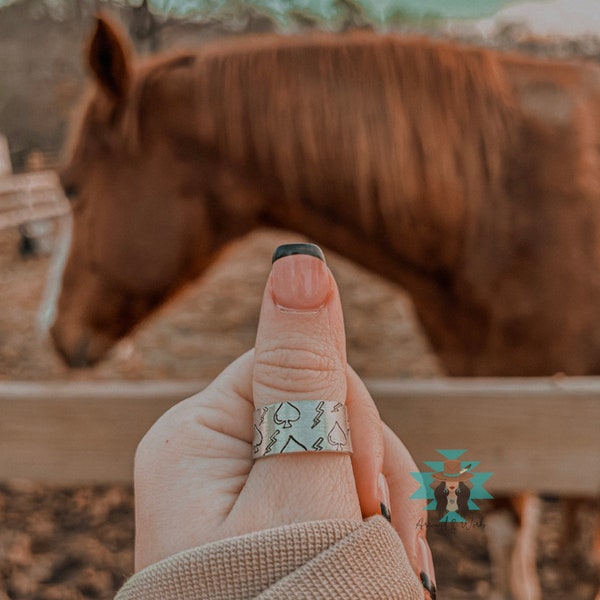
(501, 531)
(524, 581)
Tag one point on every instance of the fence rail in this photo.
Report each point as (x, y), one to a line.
(28, 182)
(533, 434)
(30, 197)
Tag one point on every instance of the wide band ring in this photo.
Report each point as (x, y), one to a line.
(303, 426)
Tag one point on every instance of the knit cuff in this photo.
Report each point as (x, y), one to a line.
(306, 561)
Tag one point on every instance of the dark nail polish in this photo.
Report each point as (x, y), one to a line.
(428, 585)
(385, 512)
(384, 497)
(291, 249)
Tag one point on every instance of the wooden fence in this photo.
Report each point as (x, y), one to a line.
(30, 197)
(533, 434)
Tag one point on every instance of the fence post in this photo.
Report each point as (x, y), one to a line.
(5, 164)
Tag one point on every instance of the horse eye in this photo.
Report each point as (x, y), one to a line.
(70, 190)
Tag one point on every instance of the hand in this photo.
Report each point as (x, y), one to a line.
(195, 480)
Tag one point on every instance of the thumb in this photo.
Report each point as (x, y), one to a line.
(300, 350)
(300, 355)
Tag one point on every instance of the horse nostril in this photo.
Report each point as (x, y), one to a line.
(77, 356)
(80, 358)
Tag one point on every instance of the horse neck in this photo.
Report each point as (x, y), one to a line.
(352, 176)
(369, 178)
(351, 141)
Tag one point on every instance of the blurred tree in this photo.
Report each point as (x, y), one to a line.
(143, 27)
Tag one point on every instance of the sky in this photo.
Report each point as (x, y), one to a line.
(558, 17)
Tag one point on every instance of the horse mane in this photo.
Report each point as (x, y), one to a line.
(440, 112)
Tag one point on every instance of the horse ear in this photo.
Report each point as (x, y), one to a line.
(109, 57)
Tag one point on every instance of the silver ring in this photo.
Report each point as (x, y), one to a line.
(303, 426)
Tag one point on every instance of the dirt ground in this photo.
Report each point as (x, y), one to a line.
(71, 544)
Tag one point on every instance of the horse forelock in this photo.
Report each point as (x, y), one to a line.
(156, 87)
(97, 118)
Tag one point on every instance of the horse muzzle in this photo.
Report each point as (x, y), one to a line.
(79, 350)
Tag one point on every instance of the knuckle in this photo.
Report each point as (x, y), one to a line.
(290, 369)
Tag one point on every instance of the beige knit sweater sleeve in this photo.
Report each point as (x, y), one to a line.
(319, 560)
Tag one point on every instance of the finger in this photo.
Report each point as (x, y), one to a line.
(409, 516)
(300, 344)
(367, 444)
(190, 463)
(300, 355)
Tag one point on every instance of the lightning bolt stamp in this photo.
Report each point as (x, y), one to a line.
(319, 413)
(272, 441)
(318, 445)
(263, 413)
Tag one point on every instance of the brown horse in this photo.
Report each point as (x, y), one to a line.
(469, 177)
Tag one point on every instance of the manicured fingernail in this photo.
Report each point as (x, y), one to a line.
(291, 249)
(299, 277)
(429, 585)
(384, 497)
(426, 564)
